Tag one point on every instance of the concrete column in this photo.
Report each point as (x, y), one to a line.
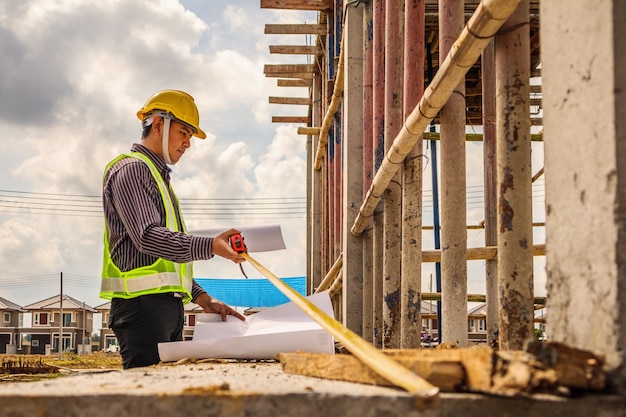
(515, 239)
(314, 215)
(453, 189)
(488, 78)
(352, 288)
(584, 101)
(392, 201)
(411, 270)
(378, 117)
(368, 168)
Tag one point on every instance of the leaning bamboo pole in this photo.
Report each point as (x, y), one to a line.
(331, 275)
(489, 16)
(330, 112)
(425, 393)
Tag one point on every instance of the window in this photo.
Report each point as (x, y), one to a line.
(471, 325)
(6, 317)
(41, 319)
(192, 319)
(67, 319)
(481, 325)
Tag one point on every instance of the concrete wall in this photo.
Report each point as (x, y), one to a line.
(584, 87)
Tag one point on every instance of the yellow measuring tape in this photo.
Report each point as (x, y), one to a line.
(425, 392)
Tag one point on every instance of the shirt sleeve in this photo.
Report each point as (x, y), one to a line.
(138, 204)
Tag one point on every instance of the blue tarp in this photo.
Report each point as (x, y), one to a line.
(252, 292)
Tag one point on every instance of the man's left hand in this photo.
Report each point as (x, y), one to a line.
(212, 305)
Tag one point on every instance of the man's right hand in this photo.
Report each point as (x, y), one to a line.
(223, 249)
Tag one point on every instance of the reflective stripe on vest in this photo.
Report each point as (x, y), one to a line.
(162, 276)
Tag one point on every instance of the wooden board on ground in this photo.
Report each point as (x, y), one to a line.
(506, 373)
(445, 374)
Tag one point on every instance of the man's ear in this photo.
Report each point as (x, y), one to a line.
(157, 125)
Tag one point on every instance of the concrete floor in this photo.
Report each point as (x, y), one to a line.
(260, 389)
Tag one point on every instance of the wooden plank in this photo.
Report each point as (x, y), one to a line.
(295, 29)
(290, 100)
(291, 119)
(446, 374)
(474, 298)
(473, 254)
(295, 83)
(288, 68)
(314, 131)
(299, 75)
(295, 50)
(318, 5)
(478, 137)
(505, 373)
(575, 368)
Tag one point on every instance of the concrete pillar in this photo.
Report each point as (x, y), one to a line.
(488, 78)
(352, 288)
(515, 239)
(453, 189)
(378, 117)
(368, 168)
(392, 200)
(314, 213)
(411, 270)
(584, 101)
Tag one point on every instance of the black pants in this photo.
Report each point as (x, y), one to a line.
(141, 323)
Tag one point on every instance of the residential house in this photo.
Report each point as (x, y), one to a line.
(43, 335)
(11, 315)
(108, 341)
(476, 322)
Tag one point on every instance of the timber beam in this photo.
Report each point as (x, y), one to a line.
(318, 5)
(295, 29)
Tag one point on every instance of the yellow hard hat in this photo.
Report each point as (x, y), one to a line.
(180, 104)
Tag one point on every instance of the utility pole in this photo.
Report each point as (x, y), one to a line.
(61, 320)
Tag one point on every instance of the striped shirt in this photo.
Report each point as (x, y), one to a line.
(135, 217)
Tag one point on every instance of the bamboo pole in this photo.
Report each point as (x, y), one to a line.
(332, 109)
(425, 393)
(484, 23)
(331, 275)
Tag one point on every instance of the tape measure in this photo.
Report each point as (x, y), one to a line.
(236, 242)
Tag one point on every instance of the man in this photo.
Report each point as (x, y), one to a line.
(147, 271)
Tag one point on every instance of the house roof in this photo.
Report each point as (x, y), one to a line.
(8, 305)
(479, 310)
(53, 303)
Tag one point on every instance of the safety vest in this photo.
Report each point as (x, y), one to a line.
(162, 276)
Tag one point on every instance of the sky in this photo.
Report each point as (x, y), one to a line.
(74, 73)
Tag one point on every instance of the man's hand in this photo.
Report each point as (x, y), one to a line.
(212, 305)
(223, 249)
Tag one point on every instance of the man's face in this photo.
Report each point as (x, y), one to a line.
(179, 140)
